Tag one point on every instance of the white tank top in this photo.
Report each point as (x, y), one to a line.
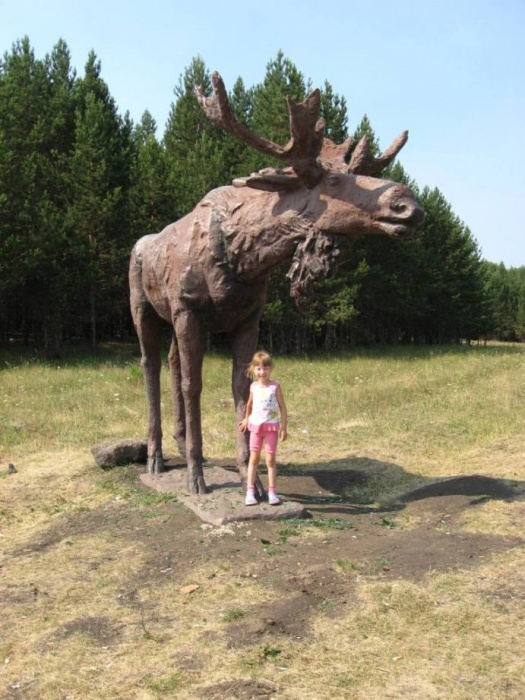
(265, 407)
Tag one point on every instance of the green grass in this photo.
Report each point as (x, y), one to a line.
(122, 485)
(233, 614)
(398, 406)
(391, 414)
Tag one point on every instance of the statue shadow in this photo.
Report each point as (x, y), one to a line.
(357, 485)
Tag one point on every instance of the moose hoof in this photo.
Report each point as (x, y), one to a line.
(155, 465)
(197, 486)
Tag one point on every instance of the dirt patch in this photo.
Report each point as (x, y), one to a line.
(376, 540)
(100, 629)
(284, 617)
(238, 690)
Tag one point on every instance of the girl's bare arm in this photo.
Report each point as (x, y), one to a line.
(284, 413)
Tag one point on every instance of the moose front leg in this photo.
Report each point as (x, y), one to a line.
(190, 340)
(244, 344)
(148, 329)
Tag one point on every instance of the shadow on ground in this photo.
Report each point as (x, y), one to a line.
(358, 485)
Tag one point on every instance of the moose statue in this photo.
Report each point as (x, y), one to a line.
(208, 271)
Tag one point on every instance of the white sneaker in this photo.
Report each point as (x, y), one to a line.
(273, 499)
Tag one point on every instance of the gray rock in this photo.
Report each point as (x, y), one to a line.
(120, 452)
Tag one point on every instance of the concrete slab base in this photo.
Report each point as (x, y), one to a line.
(225, 501)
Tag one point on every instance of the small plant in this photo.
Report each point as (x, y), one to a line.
(332, 524)
(389, 522)
(286, 532)
(58, 505)
(121, 485)
(323, 523)
(151, 514)
(163, 685)
(346, 565)
(146, 633)
(233, 614)
(382, 563)
(272, 551)
(325, 606)
(270, 653)
(116, 486)
(141, 498)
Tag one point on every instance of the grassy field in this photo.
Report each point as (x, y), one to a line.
(110, 591)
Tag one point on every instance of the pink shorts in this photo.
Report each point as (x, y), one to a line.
(267, 433)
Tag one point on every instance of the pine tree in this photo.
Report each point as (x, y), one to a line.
(151, 206)
(234, 152)
(333, 109)
(36, 111)
(193, 145)
(450, 265)
(98, 215)
(505, 289)
(186, 120)
(269, 116)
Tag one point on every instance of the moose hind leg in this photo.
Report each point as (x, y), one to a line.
(179, 416)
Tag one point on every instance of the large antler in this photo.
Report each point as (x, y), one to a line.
(307, 151)
(359, 159)
(306, 130)
(363, 162)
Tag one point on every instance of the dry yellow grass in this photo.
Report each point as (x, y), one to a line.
(91, 609)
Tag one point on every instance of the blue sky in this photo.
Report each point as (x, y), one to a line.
(452, 72)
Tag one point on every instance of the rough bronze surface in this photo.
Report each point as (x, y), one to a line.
(208, 271)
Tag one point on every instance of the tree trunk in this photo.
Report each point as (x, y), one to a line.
(93, 318)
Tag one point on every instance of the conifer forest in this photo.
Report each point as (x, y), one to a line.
(80, 183)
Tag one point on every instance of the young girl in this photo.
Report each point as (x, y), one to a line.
(262, 420)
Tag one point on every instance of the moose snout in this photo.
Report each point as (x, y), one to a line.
(402, 206)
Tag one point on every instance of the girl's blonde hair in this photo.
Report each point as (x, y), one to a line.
(260, 358)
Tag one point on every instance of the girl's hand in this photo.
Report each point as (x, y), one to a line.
(283, 434)
(243, 425)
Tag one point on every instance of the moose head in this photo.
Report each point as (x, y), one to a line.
(331, 185)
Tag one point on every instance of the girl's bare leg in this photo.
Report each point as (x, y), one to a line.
(271, 465)
(253, 465)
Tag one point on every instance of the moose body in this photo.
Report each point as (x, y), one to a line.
(208, 271)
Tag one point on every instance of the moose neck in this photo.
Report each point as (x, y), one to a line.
(255, 232)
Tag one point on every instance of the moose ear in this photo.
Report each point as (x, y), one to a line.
(270, 180)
